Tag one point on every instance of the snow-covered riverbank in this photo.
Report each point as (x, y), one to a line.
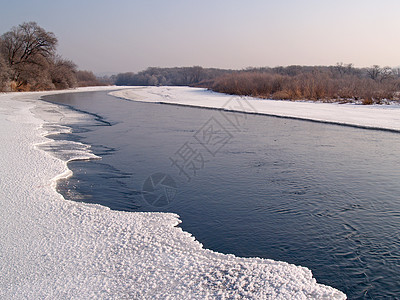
(374, 116)
(52, 248)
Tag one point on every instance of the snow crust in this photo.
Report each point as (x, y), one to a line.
(52, 248)
(368, 116)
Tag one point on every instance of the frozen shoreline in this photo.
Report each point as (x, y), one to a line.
(53, 248)
(384, 117)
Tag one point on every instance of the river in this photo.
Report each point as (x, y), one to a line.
(318, 195)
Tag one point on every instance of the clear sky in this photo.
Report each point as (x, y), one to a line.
(129, 35)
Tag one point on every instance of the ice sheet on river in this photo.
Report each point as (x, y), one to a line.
(369, 116)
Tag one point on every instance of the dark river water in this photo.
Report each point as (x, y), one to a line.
(323, 196)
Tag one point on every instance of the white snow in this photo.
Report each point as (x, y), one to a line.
(52, 248)
(374, 116)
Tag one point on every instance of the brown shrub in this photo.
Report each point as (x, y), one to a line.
(281, 95)
(314, 84)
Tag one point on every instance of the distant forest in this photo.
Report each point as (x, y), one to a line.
(184, 76)
(29, 62)
(338, 83)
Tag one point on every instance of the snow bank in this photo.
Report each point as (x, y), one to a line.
(52, 248)
(374, 116)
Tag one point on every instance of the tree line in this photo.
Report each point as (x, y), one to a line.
(341, 82)
(179, 76)
(29, 62)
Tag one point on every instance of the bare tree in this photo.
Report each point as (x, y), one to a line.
(62, 73)
(26, 46)
(4, 74)
(343, 69)
(374, 72)
(33, 76)
(386, 73)
(192, 74)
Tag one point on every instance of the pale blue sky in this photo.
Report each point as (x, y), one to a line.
(123, 35)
